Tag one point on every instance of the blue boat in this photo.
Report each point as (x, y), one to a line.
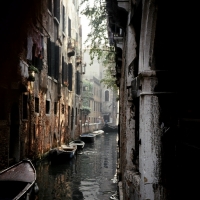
(62, 154)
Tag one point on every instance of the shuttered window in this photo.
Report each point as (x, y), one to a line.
(69, 27)
(70, 73)
(50, 5)
(57, 62)
(57, 9)
(49, 56)
(52, 69)
(78, 83)
(64, 73)
(63, 19)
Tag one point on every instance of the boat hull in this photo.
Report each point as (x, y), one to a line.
(87, 138)
(60, 155)
(20, 178)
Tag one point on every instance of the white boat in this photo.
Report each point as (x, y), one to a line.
(79, 143)
(98, 132)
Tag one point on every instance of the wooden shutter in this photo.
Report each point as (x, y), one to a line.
(69, 27)
(49, 56)
(63, 20)
(64, 73)
(52, 59)
(57, 62)
(57, 9)
(70, 73)
(78, 83)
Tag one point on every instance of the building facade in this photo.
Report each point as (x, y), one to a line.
(40, 93)
(157, 76)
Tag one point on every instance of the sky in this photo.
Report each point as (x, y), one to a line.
(85, 27)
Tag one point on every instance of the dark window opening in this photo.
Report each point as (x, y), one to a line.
(56, 31)
(68, 115)
(53, 55)
(72, 117)
(63, 109)
(69, 27)
(36, 58)
(63, 20)
(49, 46)
(50, 5)
(64, 72)
(76, 117)
(47, 107)
(25, 107)
(106, 95)
(57, 9)
(55, 107)
(36, 105)
(70, 73)
(57, 61)
(78, 83)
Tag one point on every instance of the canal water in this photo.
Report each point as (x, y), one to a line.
(90, 175)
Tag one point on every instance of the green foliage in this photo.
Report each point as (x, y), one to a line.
(86, 110)
(98, 39)
(32, 68)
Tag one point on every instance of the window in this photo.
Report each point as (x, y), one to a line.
(68, 115)
(57, 9)
(63, 19)
(70, 74)
(63, 109)
(50, 5)
(53, 52)
(24, 107)
(49, 55)
(36, 105)
(47, 107)
(55, 30)
(78, 83)
(55, 108)
(106, 95)
(64, 72)
(72, 118)
(76, 117)
(69, 27)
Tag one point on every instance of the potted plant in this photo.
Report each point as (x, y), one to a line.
(32, 70)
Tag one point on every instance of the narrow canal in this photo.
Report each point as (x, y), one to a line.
(90, 175)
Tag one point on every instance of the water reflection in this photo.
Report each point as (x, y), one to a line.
(91, 175)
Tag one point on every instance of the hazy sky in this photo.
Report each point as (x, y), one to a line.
(85, 25)
(85, 28)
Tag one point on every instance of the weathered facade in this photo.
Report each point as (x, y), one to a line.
(39, 110)
(157, 75)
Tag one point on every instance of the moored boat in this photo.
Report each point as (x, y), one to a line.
(88, 137)
(18, 181)
(79, 143)
(62, 154)
(98, 132)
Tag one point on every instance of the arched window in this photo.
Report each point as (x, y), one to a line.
(106, 95)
